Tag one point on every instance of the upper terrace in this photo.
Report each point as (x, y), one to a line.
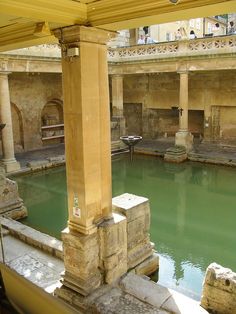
(223, 47)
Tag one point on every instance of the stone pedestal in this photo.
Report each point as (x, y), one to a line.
(93, 260)
(11, 205)
(81, 259)
(137, 212)
(185, 139)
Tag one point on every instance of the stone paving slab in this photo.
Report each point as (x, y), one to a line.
(38, 267)
(33, 237)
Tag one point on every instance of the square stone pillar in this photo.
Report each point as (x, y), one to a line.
(87, 248)
(87, 125)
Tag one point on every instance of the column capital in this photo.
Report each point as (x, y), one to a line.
(183, 71)
(77, 33)
(4, 73)
(117, 75)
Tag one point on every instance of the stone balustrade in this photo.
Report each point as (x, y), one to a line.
(173, 49)
(45, 51)
(181, 48)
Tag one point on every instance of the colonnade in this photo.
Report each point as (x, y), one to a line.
(183, 137)
(9, 161)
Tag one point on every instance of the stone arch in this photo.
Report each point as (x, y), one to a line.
(52, 123)
(17, 126)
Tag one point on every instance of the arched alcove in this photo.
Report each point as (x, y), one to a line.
(17, 125)
(52, 124)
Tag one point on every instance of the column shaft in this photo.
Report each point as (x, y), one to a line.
(9, 160)
(183, 102)
(117, 95)
(183, 137)
(87, 127)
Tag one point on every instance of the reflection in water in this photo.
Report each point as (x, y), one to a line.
(192, 208)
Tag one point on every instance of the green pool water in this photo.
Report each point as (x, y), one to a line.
(193, 212)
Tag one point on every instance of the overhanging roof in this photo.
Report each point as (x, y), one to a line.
(27, 22)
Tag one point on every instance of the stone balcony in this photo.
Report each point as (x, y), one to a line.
(175, 49)
(163, 50)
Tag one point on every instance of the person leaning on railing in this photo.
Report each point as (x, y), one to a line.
(232, 29)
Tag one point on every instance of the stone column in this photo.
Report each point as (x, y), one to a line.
(87, 126)
(117, 101)
(8, 160)
(88, 163)
(183, 137)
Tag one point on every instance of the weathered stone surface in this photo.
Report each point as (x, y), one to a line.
(130, 205)
(219, 291)
(33, 237)
(38, 164)
(137, 211)
(81, 259)
(139, 253)
(149, 266)
(116, 301)
(113, 247)
(180, 304)
(145, 290)
(11, 205)
(175, 154)
(158, 296)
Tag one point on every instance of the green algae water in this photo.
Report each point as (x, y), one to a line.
(193, 212)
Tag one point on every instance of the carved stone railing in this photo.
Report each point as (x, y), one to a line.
(44, 51)
(181, 48)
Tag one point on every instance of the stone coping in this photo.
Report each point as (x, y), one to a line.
(160, 297)
(225, 161)
(33, 237)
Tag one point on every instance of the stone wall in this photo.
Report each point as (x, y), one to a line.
(29, 93)
(147, 105)
(219, 291)
(157, 93)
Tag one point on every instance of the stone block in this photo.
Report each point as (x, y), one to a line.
(81, 259)
(131, 206)
(83, 286)
(219, 290)
(138, 230)
(113, 247)
(139, 253)
(145, 290)
(37, 164)
(149, 266)
(181, 304)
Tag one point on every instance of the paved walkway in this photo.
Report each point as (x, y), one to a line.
(203, 152)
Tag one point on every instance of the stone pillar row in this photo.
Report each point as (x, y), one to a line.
(8, 160)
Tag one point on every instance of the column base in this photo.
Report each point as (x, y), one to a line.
(10, 165)
(81, 259)
(185, 139)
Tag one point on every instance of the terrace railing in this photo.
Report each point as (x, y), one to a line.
(174, 49)
(181, 48)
